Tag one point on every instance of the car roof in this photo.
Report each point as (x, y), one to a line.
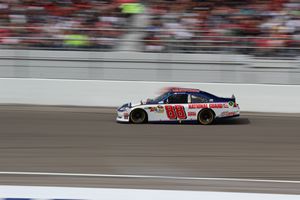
(187, 90)
(190, 91)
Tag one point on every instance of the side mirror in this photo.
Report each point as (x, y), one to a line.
(166, 101)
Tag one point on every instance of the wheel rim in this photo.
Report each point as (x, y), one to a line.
(138, 117)
(206, 117)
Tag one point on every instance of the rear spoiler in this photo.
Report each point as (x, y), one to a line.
(235, 104)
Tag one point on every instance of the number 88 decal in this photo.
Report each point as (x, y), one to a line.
(174, 112)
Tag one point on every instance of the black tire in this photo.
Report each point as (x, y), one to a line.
(206, 117)
(138, 116)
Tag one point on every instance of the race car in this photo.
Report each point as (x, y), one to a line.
(179, 105)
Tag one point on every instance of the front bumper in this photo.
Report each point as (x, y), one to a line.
(122, 116)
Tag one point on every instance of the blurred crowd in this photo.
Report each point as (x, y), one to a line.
(261, 27)
(63, 23)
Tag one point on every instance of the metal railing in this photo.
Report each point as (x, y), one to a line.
(132, 66)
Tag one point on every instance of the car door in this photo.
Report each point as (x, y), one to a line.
(197, 102)
(176, 106)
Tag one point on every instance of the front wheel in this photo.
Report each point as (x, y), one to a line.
(138, 116)
(206, 117)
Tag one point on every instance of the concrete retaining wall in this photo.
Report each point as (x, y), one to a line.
(68, 193)
(251, 97)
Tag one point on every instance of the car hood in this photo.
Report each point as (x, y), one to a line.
(142, 102)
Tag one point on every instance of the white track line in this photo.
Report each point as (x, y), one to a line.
(147, 177)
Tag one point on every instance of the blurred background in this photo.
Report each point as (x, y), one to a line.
(100, 54)
(252, 27)
(232, 41)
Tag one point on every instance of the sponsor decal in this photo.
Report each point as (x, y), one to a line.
(158, 109)
(126, 115)
(210, 105)
(200, 105)
(231, 103)
(175, 112)
(228, 114)
(184, 90)
(191, 114)
(151, 109)
(216, 105)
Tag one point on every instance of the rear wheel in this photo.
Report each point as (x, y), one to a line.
(206, 117)
(138, 116)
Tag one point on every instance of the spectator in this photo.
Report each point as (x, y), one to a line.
(232, 25)
(260, 27)
(73, 39)
(46, 23)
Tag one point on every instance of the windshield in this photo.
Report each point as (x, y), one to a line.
(159, 98)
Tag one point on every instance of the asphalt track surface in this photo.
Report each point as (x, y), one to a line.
(88, 140)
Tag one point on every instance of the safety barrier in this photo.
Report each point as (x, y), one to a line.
(68, 193)
(251, 97)
(138, 66)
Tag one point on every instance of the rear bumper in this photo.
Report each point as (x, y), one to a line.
(233, 112)
(237, 115)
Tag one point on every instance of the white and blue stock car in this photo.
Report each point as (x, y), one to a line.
(180, 104)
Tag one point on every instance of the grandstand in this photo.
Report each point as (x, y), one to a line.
(255, 27)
